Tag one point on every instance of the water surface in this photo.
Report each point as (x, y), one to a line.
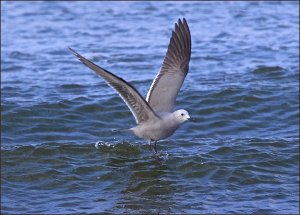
(241, 157)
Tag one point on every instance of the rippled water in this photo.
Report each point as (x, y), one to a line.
(242, 156)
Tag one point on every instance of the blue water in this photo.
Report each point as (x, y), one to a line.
(242, 156)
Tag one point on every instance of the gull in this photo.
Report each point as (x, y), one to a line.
(155, 116)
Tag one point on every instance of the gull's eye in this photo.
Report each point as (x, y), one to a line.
(182, 114)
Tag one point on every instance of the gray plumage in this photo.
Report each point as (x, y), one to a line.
(166, 85)
(154, 116)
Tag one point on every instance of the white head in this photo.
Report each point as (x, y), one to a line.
(181, 115)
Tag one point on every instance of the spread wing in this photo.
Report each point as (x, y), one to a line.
(167, 83)
(136, 103)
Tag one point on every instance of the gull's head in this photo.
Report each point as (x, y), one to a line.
(182, 115)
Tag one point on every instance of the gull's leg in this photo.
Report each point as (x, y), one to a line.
(157, 155)
(150, 145)
(155, 147)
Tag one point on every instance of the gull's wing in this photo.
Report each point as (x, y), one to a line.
(136, 103)
(167, 83)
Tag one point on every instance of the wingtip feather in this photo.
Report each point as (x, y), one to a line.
(179, 22)
(72, 50)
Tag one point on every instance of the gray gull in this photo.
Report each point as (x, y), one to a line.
(155, 115)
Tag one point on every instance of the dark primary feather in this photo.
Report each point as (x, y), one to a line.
(165, 87)
(136, 103)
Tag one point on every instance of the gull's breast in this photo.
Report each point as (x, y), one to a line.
(155, 130)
